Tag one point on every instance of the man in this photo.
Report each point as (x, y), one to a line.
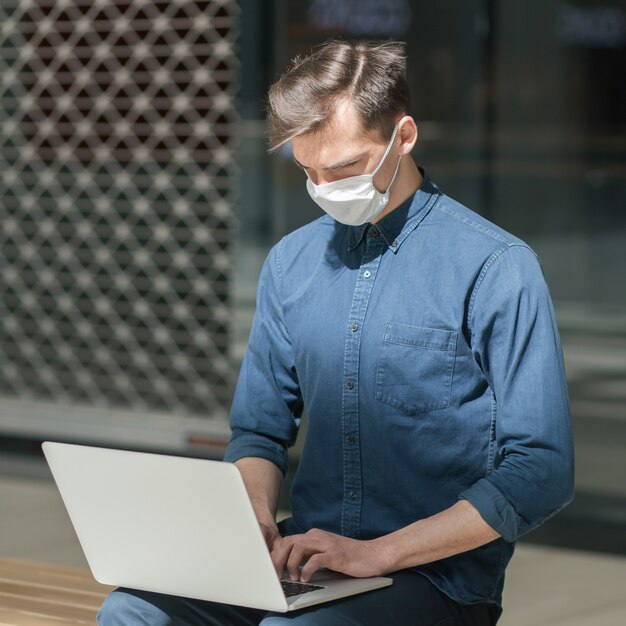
(422, 342)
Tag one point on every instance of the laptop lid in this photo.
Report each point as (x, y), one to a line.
(167, 524)
(179, 526)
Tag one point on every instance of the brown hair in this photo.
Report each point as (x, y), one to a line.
(371, 74)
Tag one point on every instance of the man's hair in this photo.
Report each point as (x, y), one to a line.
(369, 74)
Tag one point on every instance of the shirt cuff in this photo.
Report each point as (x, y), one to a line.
(493, 507)
(249, 444)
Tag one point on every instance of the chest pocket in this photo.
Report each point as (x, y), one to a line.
(415, 368)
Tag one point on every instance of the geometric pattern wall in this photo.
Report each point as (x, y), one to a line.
(117, 176)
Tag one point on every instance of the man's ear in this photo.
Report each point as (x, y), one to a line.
(408, 133)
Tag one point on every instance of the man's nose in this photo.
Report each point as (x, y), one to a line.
(314, 177)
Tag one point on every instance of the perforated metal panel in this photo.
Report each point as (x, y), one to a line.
(116, 187)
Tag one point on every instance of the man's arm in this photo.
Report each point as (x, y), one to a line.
(263, 481)
(267, 405)
(455, 530)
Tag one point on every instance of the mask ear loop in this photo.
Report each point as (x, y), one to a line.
(387, 151)
(395, 173)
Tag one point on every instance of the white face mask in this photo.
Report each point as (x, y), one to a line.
(354, 200)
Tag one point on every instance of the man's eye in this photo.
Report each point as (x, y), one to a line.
(345, 166)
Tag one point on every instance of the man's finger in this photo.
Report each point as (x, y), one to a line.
(316, 562)
(297, 555)
(280, 554)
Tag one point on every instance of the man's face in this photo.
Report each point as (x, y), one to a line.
(342, 149)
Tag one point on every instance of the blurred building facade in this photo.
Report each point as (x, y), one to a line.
(138, 201)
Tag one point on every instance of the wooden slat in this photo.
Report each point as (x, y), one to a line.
(51, 593)
(47, 609)
(43, 589)
(38, 594)
(47, 574)
(9, 617)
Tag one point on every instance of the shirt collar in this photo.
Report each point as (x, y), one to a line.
(404, 219)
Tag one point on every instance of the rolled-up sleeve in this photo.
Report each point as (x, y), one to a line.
(516, 343)
(267, 404)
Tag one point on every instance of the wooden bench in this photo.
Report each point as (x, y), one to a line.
(41, 594)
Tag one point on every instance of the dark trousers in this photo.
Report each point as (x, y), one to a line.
(411, 601)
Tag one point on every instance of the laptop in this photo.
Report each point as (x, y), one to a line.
(179, 526)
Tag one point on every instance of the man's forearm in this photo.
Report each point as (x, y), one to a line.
(455, 530)
(263, 481)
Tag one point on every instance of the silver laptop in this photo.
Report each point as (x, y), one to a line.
(179, 526)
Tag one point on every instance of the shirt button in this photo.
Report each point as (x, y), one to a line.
(351, 440)
(354, 328)
(367, 274)
(349, 384)
(394, 244)
(353, 495)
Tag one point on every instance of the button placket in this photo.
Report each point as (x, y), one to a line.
(352, 486)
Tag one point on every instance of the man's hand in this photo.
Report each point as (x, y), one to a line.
(263, 480)
(318, 549)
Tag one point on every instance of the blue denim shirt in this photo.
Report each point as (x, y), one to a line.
(426, 353)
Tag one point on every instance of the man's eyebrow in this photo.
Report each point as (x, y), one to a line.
(345, 162)
(335, 166)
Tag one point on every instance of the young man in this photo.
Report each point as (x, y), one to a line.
(422, 342)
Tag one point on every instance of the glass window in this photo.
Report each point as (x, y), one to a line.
(522, 114)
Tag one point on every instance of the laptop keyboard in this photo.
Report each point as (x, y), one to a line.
(292, 588)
